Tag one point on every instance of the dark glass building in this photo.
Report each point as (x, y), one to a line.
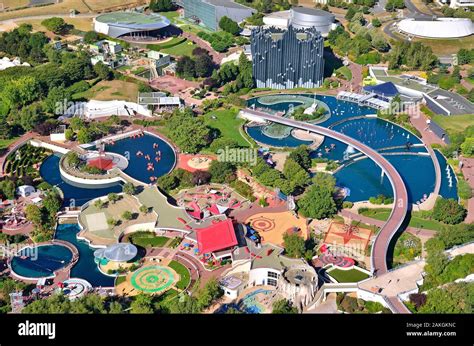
(286, 59)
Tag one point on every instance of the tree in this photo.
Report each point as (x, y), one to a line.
(201, 177)
(55, 24)
(452, 299)
(91, 37)
(302, 156)
(448, 211)
(56, 99)
(185, 67)
(350, 13)
(103, 71)
(295, 174)
(228, 25)
(129, 189)
(161, 5)
(317, 202)
(113, 197)
(203, 65)
(221, 171)
(34, 215)
(376, 22)
(99, 204)
(210, 293)
(142, 304)
(144, 209)
(284, 306)
(168, 182)
(127, 215)
(191, 134)
(52, 203)
(84, 136)
(8, 188)
(294, 245)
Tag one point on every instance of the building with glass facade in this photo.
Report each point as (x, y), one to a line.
(209, 12)
(286, 59)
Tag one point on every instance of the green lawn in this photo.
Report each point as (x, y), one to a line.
(185, 277)
(416, 221)
(351, 275)
(182, 49)
(228, 124)
(345, 71)
(6, 142)
(454, 124)
(145, 240)
(171, 15)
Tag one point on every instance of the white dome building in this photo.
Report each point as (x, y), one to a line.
(437, 28)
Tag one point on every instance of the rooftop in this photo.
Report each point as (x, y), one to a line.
(131, 18)
(217, 236)
(226, 3)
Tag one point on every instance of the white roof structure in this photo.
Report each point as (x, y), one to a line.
(25, 190)
(437, 28)
(7, 63)
(120, 252)
(97, 109)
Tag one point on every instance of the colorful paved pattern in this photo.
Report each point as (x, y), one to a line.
(153, 279)
(338, 261)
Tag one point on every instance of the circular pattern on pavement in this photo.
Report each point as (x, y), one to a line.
(263, 224)
(153, 279)
(339, 261)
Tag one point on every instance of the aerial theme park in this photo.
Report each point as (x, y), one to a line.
(237, 157)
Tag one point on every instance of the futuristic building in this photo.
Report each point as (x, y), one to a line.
(302, 18)
(286, 59)
(209, 12)
(437, 28)
(118, 24)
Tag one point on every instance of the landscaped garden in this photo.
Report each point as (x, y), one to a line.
(407, 248)
(147, 239)
(25, 161)
(184, 276)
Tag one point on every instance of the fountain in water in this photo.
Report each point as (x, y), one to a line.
(349, 150)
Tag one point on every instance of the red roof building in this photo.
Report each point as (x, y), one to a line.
(219, 236)
(101, 162)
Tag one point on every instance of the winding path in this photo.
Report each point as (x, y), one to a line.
(400, 210)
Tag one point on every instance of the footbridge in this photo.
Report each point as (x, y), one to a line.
(400, 210)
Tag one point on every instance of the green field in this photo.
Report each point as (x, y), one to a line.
(352, 275)
(416, 221)
(4, 143)
(454, 124)
(228, 124)
(182, 49)
(147, 240)
(184, 276)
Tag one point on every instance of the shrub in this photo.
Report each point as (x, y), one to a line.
(448, 211)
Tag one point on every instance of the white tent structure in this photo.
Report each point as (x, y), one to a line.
(5, 63)
(98, 109)
(25, 190)
(437, 28)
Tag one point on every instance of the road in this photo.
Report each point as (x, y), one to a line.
(397, 217)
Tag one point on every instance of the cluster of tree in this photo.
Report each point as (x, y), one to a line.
(7, 286)
(448, 211)
(412, 55)
(364, 4)
(44, 217)
(393, 5)
(267, 6)
(444, 79)
(21, 42)
(439, 269)
(232, 77)
(187, 131)
(220, 41)
(199, 65)
(361, 46)
(29, 96)
(183, 304)
(350, 304)
(86, 132)
(228, 25)
(7, 188)
(161, 5)
(457, 13)
(465, 56)
(318, 200)
(455, 298)
(297, 247)
(57, 25)
(283, 306)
